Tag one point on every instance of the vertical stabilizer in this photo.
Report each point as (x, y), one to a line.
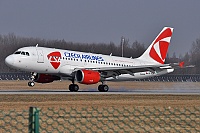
(157, 51)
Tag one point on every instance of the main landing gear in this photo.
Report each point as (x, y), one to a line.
(74, 87)
(103, 88)
(32, 83)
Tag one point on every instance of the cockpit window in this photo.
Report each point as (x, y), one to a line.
(22, 53)
(17, 52)
(27, 53)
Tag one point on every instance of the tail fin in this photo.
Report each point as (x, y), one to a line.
(157, 51)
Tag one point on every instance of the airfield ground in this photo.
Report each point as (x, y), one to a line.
(153, 102)
(79, 100)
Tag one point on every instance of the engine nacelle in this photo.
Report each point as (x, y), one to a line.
(45, 78)
(87, 76)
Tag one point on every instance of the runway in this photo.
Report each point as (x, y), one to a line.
(111, 92)
(128, 88)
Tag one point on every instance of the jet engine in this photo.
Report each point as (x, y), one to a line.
(45, 78)
(87, 76)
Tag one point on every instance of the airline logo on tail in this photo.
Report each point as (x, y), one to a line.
(160, 46)
(54, 59)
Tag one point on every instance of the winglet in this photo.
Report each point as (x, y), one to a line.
(181, 64)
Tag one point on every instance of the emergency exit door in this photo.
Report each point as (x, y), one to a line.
(40, 56)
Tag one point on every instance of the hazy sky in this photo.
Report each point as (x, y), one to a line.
(104, 21)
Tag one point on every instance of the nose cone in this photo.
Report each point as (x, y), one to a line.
(9, 60)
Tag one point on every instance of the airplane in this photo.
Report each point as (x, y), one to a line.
(49, 64)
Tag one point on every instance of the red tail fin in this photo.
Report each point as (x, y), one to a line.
(157, 51)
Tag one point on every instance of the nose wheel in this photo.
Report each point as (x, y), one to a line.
(32, 83)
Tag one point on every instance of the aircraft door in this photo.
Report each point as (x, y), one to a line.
(40, 56)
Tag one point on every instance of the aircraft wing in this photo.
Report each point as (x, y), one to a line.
(116, 71)
(133, 68)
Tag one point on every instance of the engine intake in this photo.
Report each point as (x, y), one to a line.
(87, 76)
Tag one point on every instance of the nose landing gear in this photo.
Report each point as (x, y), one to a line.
(32, 83)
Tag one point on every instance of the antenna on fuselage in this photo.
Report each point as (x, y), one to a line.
(36, 45)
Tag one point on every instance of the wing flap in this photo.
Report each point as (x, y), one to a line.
(132, 68)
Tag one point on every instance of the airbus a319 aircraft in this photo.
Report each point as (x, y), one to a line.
(49, 64)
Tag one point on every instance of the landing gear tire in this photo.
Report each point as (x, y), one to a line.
(103, 88)
(31, 83)
(73, 87)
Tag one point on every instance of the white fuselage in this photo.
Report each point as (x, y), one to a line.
(57, 61)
